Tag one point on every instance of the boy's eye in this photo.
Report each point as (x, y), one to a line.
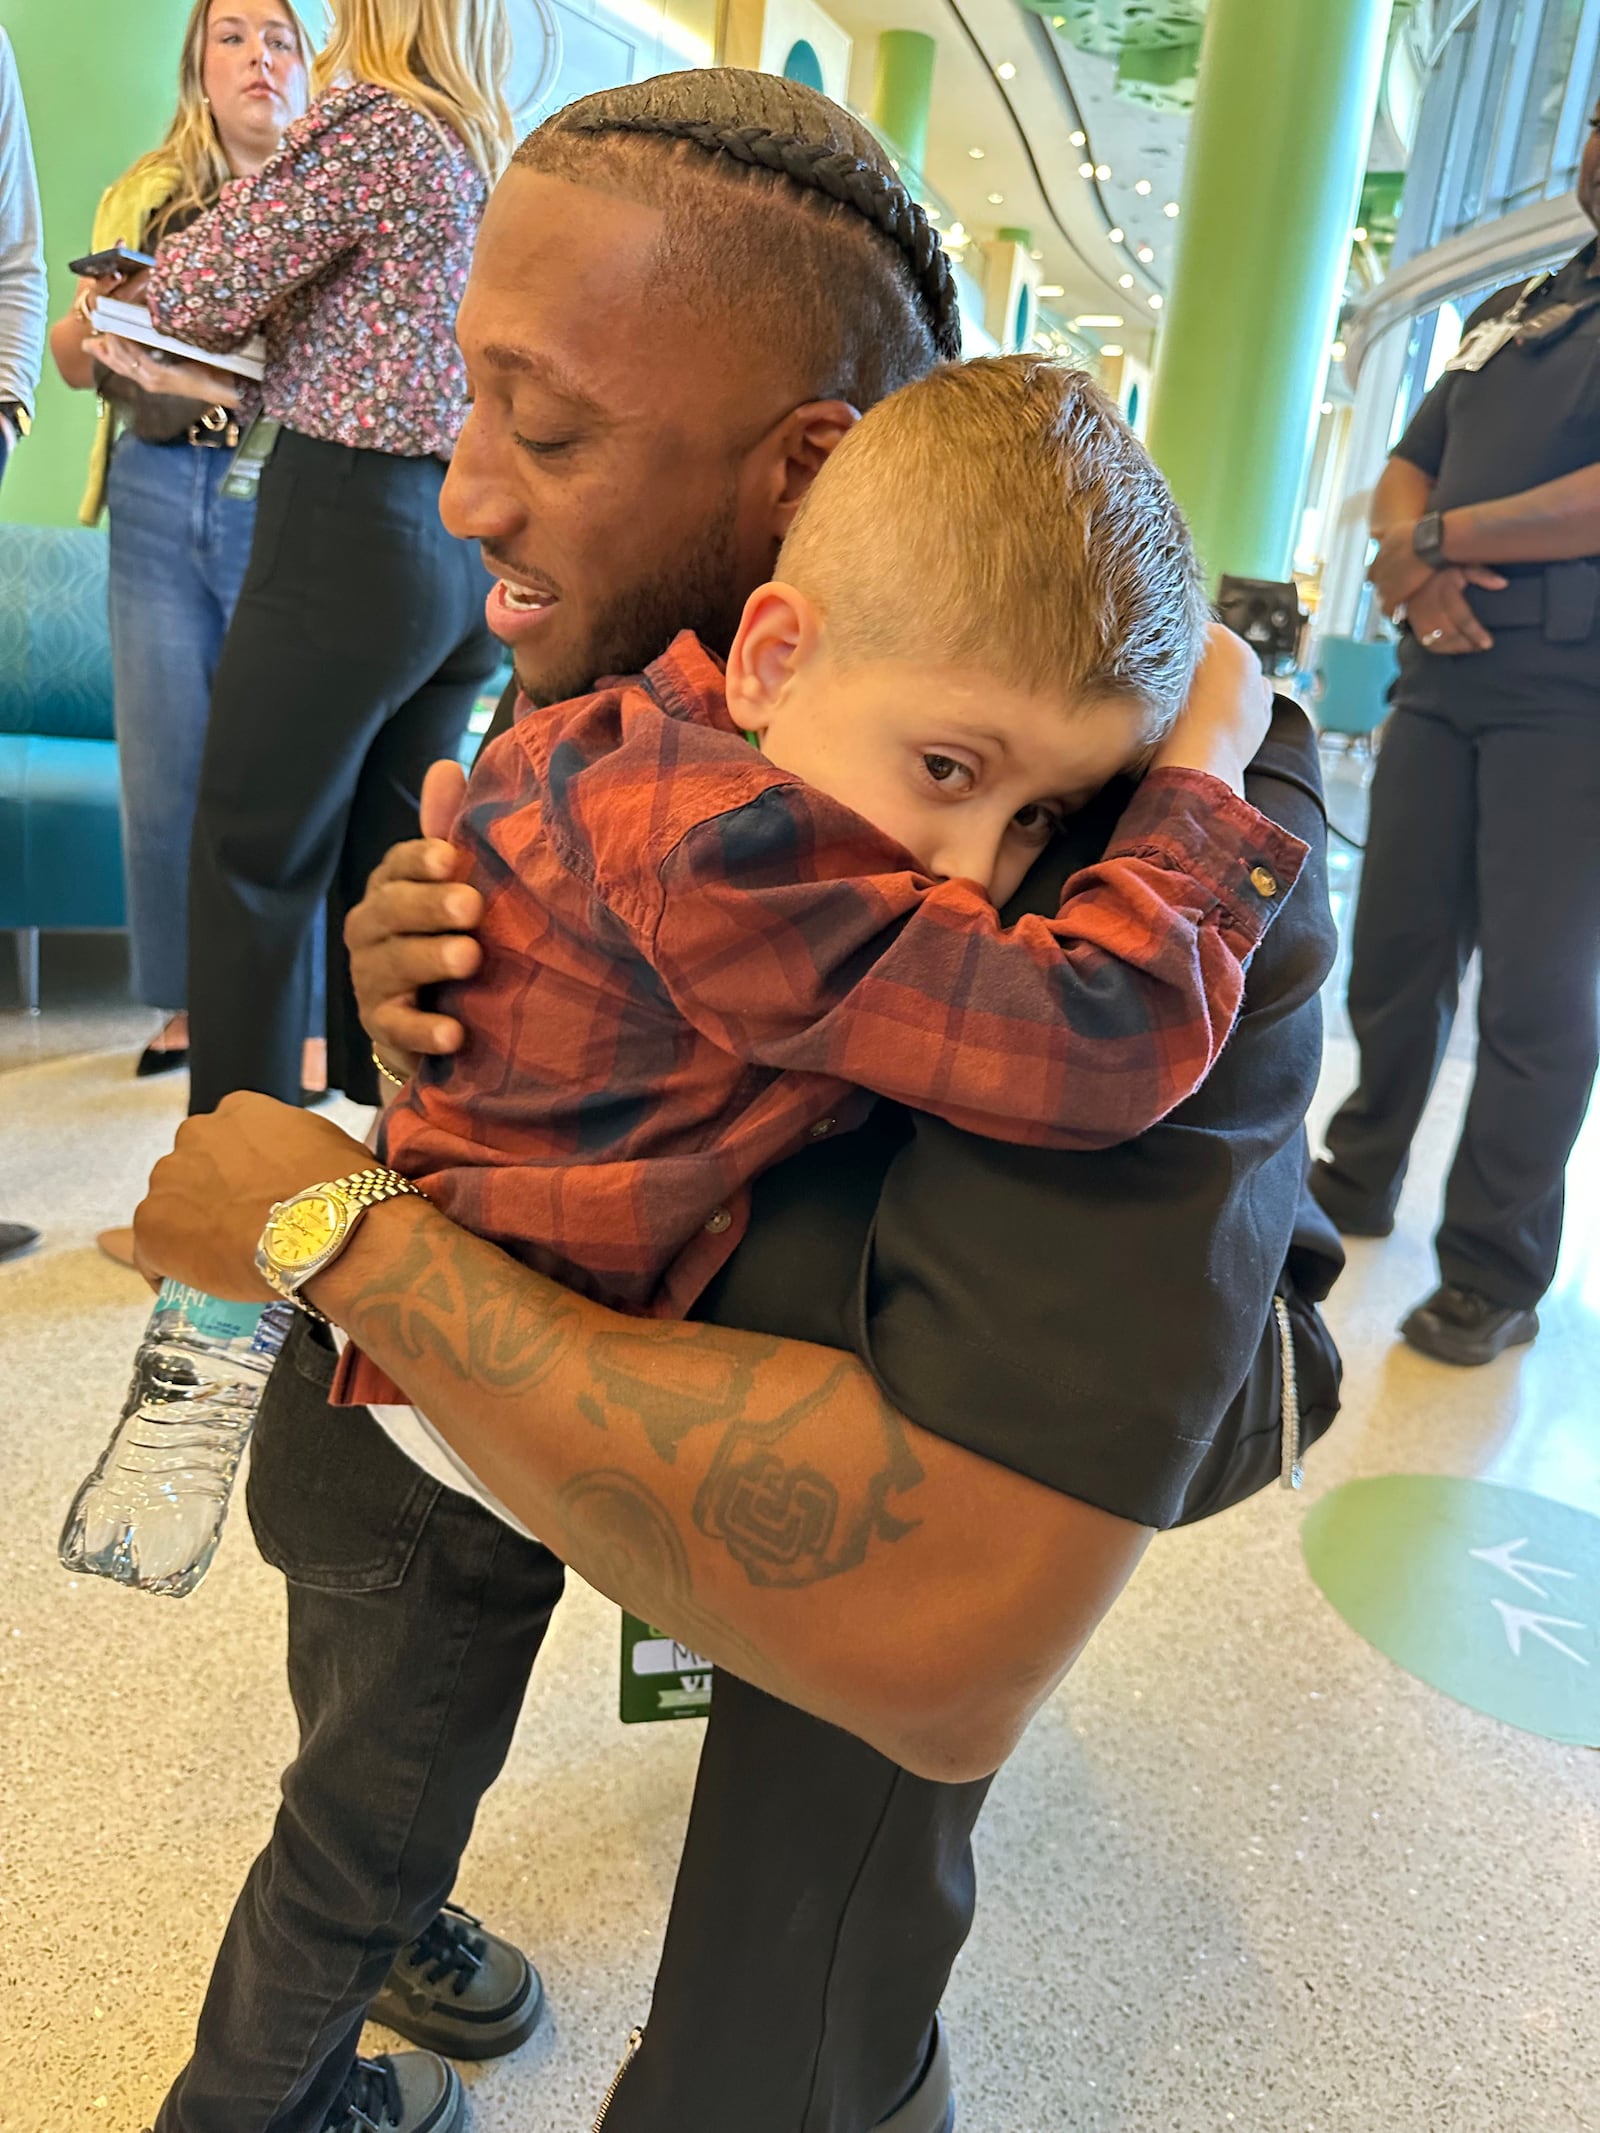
(946, 771)
(1036, 821)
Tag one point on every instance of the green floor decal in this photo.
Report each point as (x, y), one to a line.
(1487, 1593)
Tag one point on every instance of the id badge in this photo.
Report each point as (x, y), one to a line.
(660, 1677)
(243, 478)
(1483, 342)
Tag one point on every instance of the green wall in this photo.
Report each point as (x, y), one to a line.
(100, 80)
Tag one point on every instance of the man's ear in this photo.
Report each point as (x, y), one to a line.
(778, 632)
(802, 442)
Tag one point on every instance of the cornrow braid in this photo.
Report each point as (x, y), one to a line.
(823, 167)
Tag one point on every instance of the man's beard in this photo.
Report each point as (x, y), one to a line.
(701, 593)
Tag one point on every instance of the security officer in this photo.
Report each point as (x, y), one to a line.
(1485, 827)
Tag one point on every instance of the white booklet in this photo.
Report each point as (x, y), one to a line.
(109, 314)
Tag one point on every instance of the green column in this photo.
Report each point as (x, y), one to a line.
(902, 92)
(1282, 118)
(100, 78)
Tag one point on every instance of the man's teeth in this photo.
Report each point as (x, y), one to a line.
(527, 601)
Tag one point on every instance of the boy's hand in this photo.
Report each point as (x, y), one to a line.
(412, 928)
(1226, 718)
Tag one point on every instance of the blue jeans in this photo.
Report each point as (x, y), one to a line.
(178, 554)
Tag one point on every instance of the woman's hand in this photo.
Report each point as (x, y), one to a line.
(1440, 616)
(412, 928)
(159, 374)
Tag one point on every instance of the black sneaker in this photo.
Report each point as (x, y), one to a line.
(1350, 1217)
(1460, 1326)
(460, 1990)
(930, 2108)
(403, 2092)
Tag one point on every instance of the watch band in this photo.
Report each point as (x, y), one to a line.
(16, 413)
(1427, 539)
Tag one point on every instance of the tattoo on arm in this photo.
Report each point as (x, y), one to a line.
(469, 1311)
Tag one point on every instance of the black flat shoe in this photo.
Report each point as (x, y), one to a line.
(1460, 1326)
(152, 1060)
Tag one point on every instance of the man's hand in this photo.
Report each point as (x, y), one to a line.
(1441, 619)
(412, 928)
(207, 1203)
(1226, 717)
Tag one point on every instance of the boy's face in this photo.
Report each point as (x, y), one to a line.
(973, 776)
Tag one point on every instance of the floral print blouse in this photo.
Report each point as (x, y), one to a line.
(349, 250)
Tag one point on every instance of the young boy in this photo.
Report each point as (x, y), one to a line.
(699, 952)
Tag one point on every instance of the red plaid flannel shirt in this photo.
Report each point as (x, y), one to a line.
(694, 962)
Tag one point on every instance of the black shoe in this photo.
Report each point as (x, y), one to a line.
(152, 1060)
(403, 2092)
(930, 2108)
(1460, 1326)
(16, 1238)
(1349, 1216)
(460, 1990)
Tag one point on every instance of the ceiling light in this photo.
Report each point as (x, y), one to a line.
(1078, 139)
(1050, 288)
(1338, 351)
(956, 235)
(1171, 211)
(1036, 256)
(933, 214)
(1115, 235)
(997, 199)
(1156, 302)
(1359, 235)
(976, 154)
(1085, 170)
(1102, 171)
(1143, 188)
(1327, 407)
(1124, 281)
(1145, 255)
(1098, 318)
(1058, 22)
(1111, 348)
(1006, 71)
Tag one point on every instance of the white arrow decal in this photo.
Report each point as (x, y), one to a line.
(1517, 1619)
(1501, 1558)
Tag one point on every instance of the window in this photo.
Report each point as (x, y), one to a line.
(1547, 89)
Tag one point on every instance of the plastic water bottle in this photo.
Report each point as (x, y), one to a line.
(151, 1513)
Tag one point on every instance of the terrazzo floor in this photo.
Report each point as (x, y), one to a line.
(1243, 1873)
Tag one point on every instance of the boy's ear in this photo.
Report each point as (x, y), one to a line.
(777, 635)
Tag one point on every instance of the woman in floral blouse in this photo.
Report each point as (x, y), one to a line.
(359, 642)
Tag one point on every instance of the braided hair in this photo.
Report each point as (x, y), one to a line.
(770, 129)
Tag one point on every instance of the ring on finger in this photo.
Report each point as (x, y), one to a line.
(1433, 636)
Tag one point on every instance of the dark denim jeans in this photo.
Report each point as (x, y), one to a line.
(823, 1893)
(178, 552)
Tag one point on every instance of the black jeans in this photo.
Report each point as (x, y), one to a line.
(1485, 834)
(355, 654)
(823, 1894)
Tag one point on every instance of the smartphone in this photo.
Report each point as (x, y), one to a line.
(118, 259)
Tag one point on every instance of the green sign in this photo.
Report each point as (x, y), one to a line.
(1487, 1593)
(660, 1677)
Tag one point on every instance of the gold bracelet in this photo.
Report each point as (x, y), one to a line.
(395, 1081)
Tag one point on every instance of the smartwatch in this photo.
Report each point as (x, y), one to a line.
(1427, 539)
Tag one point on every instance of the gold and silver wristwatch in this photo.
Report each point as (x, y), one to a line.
(307, 1233)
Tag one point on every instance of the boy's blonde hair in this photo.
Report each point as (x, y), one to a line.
(448, 57)
(1000, 517)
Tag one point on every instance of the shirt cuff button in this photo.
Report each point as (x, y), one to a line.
(822, 1127)
(719, 1220)
(1264, 882)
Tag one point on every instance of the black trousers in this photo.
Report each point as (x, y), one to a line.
(1485, 833)
(356, 651)
(823, 1893)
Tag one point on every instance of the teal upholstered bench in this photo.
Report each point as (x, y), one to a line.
(60, 805)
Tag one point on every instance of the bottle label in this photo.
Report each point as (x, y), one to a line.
(210, 1317)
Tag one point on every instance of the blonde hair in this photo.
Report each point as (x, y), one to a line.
(449, 58)
(999, 516)
(192, 145)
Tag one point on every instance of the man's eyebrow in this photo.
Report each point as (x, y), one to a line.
(500, 355)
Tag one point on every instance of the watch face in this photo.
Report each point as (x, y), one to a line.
(303, 1230)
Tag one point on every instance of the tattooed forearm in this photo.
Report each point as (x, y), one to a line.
(468, 1309)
